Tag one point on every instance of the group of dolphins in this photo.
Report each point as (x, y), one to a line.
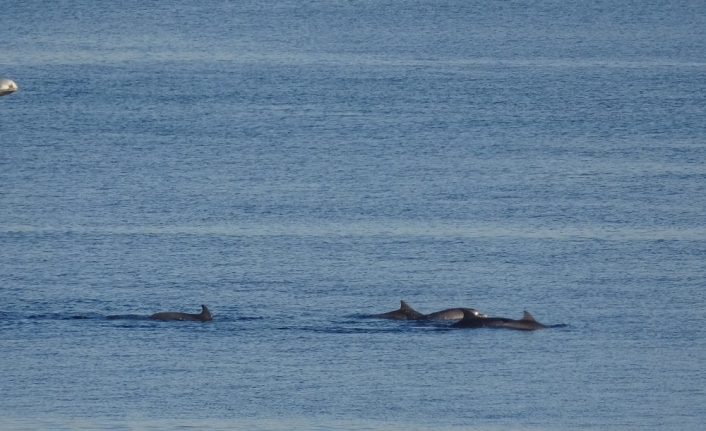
(466, 317)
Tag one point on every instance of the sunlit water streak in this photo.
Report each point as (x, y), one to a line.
(391, 230)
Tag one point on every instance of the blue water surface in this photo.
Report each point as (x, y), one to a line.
(298, 166)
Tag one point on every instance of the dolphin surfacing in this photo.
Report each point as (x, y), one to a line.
(405, 312)
(470, 320)
(452, 314)
(203, 316)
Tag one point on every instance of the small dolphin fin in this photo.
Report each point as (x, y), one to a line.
(205, 313)
(528, 316)
(405, 306)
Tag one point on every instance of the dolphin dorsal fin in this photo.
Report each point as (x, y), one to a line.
(205, 311)
(405, 306)
(468, 313)
(528, 316)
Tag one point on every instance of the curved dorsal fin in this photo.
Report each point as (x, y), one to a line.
(205, 311)
(405, 306)
(528, 316)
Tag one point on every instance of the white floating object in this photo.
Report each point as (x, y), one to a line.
(7, 86)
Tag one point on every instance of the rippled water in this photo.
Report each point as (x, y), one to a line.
(300, 166)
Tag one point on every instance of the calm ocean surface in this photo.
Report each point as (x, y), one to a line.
(300, 165)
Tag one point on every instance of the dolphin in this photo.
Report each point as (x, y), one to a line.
(452, 314)
(203, 316)
(405, 312)
(471, 320)
(7, 86)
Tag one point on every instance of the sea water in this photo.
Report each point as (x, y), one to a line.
(298, 166)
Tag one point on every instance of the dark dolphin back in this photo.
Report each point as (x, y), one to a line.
(470, 320)
(205, 314)
(452, 314)
(527, 323)
(405, 312)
